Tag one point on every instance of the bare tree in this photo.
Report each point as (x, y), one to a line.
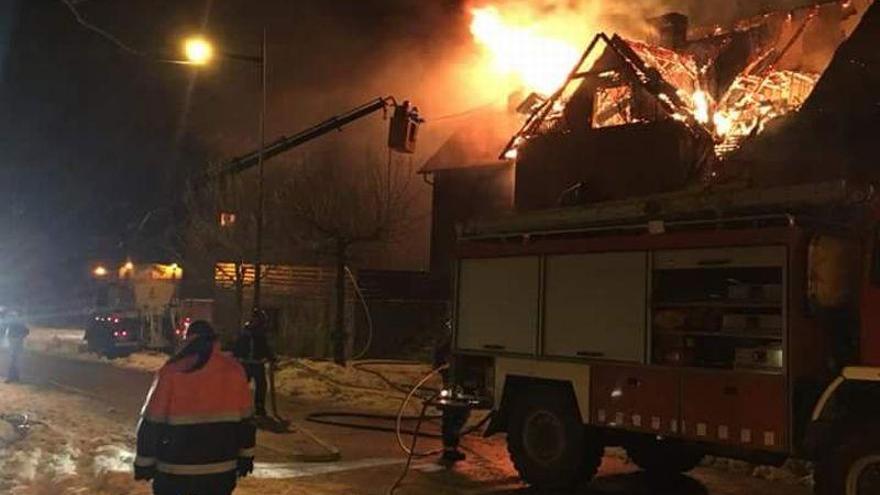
(220, 225)
(338, 206)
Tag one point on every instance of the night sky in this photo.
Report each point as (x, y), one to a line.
(94, 138)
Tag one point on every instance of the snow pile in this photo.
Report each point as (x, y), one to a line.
(792, 472)
(69, 343)
(357, 386)
(149, 361)
(8, 434)
(66, 449)
(77, 446)
(59, 341)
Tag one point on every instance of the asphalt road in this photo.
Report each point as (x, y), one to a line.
(368, 462)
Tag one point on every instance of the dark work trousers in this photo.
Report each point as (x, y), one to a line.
(14, 362)
(257, 373)
(214, 484)
(454, 419)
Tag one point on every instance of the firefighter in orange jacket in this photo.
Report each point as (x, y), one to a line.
(196, 433)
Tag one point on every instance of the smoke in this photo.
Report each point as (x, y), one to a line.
(327, 57)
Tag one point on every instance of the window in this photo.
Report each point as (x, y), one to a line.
(613, 106)
(227, 219)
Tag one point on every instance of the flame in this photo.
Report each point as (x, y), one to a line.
(701, 106)
(723, 123)
(517, 48)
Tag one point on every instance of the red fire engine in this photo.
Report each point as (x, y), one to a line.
(741, 324)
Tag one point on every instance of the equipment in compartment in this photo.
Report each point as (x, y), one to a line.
(752, 323)
(710, 305)
(755, 292)
(759, 358)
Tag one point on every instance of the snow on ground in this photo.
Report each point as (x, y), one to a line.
(351, 387)
(77, 446)
(68, 342)
(72, 447)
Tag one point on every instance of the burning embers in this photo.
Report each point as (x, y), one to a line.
(754, 100)
(727, 85)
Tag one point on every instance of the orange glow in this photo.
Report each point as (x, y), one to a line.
(166, 272)
(126, 270)
(701, 106)
(537, 54)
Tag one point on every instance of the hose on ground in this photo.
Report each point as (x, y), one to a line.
(21, 423)
(329, 418)
(399, 418)
(410, 451)
(403, 405)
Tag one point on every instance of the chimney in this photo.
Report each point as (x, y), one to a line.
(670, 30)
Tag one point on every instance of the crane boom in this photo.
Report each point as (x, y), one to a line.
(286, 143)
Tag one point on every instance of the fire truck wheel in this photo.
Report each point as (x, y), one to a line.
(852, 468)
(548, 443)
(664, 458)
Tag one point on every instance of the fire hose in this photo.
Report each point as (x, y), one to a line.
(21, 424)
(399, 418)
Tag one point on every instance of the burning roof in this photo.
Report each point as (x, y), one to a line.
(834, 133)
(725, 83)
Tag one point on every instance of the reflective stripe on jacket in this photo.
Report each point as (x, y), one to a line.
(197, 423)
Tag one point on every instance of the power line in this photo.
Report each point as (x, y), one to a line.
(71, 5)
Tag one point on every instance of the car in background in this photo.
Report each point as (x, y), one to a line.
(112, 335)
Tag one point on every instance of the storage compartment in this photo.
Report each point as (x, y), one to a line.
(709, 306)
(498, 302)
(762, 256)
(636, 398)
(745, 409)
(595, 306)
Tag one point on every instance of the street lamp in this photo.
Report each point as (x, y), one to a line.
(199, 52)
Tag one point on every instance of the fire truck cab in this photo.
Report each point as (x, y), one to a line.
(743, 324)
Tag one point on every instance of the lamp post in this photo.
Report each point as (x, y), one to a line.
(199, 51)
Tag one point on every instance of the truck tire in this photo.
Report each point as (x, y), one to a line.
(664, 458)
(853, 467)
(549, 444)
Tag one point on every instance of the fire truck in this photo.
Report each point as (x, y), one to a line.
(736, 323)
(135, 307)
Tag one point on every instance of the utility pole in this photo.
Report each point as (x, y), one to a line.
(258, 259)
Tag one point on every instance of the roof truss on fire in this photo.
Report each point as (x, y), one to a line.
(759, 77)
(650, 78)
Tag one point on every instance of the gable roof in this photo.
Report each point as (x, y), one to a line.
(475, 143)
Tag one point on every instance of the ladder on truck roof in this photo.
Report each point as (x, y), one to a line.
(681, 208)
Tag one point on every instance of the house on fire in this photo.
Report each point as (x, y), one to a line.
(640, 117)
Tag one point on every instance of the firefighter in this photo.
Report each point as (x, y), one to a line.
(196, 432)
(253, 351)
(16, 332)
(454, 417)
